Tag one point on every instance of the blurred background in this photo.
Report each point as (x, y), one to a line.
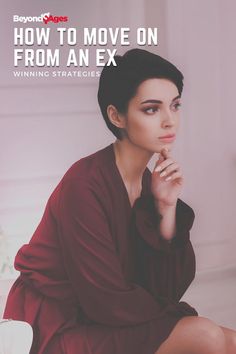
(49, 123)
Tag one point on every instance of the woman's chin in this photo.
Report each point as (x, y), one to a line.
(166, 145)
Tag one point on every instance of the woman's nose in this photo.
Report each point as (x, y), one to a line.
(168, 119)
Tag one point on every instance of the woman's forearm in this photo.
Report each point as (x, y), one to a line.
(168, 220)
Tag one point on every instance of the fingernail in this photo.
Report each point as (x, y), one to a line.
(167, 178)
(163, 174)
(158, 168)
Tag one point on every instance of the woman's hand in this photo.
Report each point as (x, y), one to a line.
(166, 192)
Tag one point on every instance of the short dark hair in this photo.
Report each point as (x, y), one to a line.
(118, 84)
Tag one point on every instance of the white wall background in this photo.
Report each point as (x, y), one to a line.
(200, 40)
(47, 124)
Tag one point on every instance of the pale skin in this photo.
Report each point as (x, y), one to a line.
(142, 126)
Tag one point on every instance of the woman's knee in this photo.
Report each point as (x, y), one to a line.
(232, 343)
(230, 336)
(195, 335)
(203, 332)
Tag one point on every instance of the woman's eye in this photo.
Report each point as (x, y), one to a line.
(177, 106)
(151, 110)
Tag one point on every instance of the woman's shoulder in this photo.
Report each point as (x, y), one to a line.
(88, 168)
(85, 178)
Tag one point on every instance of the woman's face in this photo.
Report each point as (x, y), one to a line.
(153, 113)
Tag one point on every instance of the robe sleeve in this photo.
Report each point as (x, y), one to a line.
(164, 268)
(147, 221)
(92, 263)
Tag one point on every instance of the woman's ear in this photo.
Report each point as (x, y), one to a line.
(115, 117)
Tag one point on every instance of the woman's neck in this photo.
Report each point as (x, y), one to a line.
(131, 161)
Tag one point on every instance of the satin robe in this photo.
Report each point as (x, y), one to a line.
(96, 276)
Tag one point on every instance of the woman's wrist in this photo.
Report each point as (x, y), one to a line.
(163, 207)
(168, 220)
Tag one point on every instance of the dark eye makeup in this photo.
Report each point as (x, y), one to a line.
(150, 110)
(154, 108)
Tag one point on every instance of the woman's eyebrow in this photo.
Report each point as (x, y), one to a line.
(158, 101)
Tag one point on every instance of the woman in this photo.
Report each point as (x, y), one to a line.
(111, 258)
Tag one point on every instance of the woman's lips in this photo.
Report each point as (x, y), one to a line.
(168, 138)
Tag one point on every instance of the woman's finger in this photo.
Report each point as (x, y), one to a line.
(170, 169)
(163, 164)
(174, 176)
(165, 153)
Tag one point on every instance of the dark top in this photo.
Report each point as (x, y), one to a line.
(96, 276)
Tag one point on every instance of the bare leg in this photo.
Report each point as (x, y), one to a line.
(194, 335)
(230, 336)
